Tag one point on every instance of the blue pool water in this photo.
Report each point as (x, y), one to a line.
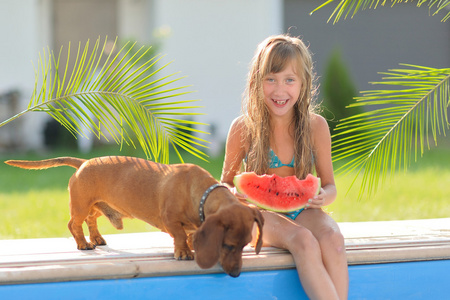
(408, 280)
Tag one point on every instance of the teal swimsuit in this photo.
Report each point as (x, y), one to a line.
(276, 163)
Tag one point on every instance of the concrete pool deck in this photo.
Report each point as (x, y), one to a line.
(150, 254)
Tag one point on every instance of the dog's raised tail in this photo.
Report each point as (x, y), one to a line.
(47, 163)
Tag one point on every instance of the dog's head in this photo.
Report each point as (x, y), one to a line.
(223, 236)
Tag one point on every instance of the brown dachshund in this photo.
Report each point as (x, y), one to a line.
(173, 198)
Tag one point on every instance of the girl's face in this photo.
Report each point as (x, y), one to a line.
(282, 90)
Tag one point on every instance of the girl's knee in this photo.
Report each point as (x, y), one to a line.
(305, 242)
(333, 240)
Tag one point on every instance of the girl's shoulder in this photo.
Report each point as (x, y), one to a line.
(318, 123)
(237, 140)
(238, 132)
(238, 124)
(319, 129)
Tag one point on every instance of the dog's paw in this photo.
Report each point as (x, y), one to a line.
(184, 255)
(98, 240)
(86, 246)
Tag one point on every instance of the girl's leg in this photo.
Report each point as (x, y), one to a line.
(281, 232)
(332, 246)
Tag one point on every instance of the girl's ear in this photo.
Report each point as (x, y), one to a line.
(208, 242)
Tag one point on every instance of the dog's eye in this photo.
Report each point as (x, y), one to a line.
(228, 247)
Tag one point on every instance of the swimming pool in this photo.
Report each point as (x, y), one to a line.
(405, 260)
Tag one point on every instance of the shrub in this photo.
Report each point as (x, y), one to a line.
(338, 90)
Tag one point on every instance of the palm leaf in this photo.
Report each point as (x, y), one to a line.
(347, 8)
(397, 127)
(119, 96)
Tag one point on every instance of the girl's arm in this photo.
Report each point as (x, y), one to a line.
(322, 157)
(234, 152)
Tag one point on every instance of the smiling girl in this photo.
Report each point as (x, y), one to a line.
(278, 133)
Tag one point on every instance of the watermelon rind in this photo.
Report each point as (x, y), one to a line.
(290, 183)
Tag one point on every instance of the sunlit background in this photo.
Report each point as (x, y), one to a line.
(210, 42)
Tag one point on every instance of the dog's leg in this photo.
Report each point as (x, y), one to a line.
(190, 240)
(91, 221)
(76, 228)
(79, 211)
(181, 248)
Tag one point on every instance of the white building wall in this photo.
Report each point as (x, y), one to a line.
(136, 20)
(212, 42)
(25, 31)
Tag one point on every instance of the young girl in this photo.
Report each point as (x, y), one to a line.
(279, 134)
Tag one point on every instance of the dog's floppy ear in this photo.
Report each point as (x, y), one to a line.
(208, 242)
(259, 219)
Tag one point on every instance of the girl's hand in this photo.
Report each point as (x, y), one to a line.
(317, 201)
(237, 194)
(234, 191)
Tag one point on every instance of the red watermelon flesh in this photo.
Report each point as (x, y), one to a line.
(280, 194)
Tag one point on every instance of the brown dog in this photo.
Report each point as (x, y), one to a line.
(165, 196)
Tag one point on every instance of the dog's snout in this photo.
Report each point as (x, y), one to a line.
(235, 273)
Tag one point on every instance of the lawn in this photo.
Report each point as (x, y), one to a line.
(34, 204)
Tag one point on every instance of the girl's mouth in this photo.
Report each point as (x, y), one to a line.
(280, 102)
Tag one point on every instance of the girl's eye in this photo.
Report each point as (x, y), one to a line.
(289, 80)
(270, 79)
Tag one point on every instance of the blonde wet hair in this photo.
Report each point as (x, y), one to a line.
(272, 56)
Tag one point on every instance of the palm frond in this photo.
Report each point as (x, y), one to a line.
(347, 8)
(397, 127)
(119, 94)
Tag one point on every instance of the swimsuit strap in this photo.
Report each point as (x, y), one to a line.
(275, 162)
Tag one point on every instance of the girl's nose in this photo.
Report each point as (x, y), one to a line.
(279, 87)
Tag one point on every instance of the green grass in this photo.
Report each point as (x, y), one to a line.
(423, 192)
(417, 194)
(34, 204)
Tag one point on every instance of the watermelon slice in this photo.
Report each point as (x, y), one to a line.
(280, 194)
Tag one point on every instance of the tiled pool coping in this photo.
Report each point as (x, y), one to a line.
(151, 254)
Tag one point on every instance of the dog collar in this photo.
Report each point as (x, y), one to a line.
(201, 210)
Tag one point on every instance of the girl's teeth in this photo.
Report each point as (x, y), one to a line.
(280, 102)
